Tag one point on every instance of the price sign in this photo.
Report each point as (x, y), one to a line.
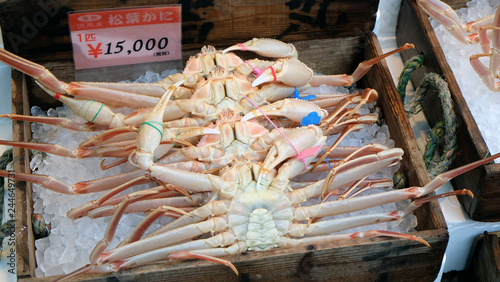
(123, 37)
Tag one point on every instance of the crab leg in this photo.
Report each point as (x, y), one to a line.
(328, 100)
(111, 93)
(486, 75)
(194, 216)
(340, 124)
(337, 207)
(113, 224)
(170, 238)
(344, 152)
(36, 71)
(290, 242)
(356, 120)
(365, 185)
(359, 72)
(267, 47)
(82, 210)
(144, 89)
(336, 225)
(293, 109)
(332, 208)
(346, 174)
(446, 16)
(475, 26)
(57, 121)
(111, 97)
(207, 249)
(447, 176)
(130, 133)
(84, 187)
(495, 38)
(348, 129)
(295, 73)
(78, 153)
(366, 96)
(199, 255)
(149, 204)
(124, 133)
(275, 92)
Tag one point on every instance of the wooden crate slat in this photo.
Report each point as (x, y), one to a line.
(22, 217)
(368, 259)
(485, 258)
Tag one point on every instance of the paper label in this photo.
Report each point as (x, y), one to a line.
(124, 37)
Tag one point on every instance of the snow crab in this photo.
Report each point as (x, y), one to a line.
(485, 31)
(234, 203)
(253, 208)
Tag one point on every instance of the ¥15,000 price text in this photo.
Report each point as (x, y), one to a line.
(139, 45)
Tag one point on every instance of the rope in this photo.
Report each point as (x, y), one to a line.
(444, 132)
(410, 66)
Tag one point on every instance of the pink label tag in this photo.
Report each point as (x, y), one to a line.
(308, 152)
(124, 37)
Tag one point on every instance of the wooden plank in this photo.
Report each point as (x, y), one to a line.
(487, 204)
(456, 4)
(22, 222)
(401, 131)
(414, 27)
(40, 29)
(485, 260)
(367, 259)
(29, 192)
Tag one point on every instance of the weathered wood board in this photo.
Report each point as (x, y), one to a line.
(484, 182)
(485, 260)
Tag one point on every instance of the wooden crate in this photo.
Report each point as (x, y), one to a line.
(484, 182)
(330, 39)
(485, 260)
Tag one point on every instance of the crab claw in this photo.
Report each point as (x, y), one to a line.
(294, 142)
(288, 71)
(293, 109)
(151, 134)
(267, 47)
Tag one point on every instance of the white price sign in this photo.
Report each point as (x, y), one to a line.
(123, 37)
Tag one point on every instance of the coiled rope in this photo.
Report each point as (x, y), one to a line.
(443, 135)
